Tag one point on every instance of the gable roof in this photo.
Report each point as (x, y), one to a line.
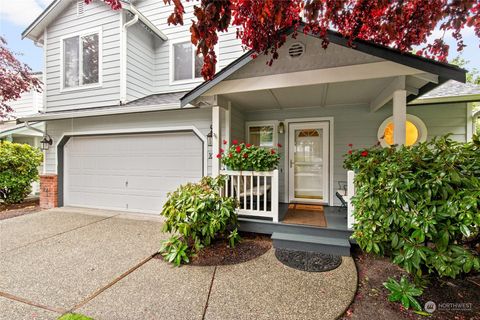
(35, 30)
(445, 71)
(450, 91)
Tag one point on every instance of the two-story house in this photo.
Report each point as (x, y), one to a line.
(130, 116)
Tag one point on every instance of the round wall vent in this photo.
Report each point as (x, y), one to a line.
(296, 50)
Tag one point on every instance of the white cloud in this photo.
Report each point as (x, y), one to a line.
(22, 12)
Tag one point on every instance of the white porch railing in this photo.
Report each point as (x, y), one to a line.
(256, 192)
(350, 194)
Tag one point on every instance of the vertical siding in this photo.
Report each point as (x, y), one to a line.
(359, 126)
(140, 62)
(97, 15)
(200, 118)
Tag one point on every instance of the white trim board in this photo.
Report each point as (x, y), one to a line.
(137, 131)
(80, 34)
(331, 150)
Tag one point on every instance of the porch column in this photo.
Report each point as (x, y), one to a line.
(399, 116)
(215, 140)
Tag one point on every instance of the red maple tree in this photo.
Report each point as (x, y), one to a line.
(261, 24)
(15, 79)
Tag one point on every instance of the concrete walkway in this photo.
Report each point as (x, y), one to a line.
(99, 263)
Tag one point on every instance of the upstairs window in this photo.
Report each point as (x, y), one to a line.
(186, 65)
(81, 60)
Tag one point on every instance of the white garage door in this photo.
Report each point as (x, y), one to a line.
(129, 172)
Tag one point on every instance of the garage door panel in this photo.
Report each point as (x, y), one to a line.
(130, 172)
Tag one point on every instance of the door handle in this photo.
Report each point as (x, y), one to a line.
(291, 163)
(126, 183)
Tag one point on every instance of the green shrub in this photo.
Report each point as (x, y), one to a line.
(249, 157)
(199, 214)
(420, 205)
(18, 169)
(403, 291)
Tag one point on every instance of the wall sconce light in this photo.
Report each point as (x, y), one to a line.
(281, 128)
(210, 137)
(46, 142)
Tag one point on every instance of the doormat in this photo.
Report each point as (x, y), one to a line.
(308, 261)
(306, 214)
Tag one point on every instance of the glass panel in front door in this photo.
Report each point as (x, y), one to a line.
(308, 164)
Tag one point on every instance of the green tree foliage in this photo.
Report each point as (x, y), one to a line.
(420, 205)
(197, 213)
(18, 169)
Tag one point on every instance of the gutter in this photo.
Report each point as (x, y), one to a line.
(145, 21)
(450, 99)
(102, 112)
(44, 133)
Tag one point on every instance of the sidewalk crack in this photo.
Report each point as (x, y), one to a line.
(209, 292)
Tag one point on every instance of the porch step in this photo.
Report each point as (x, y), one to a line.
(269, 227)
(302, 242)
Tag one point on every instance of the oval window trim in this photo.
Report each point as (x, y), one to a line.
(419, 124)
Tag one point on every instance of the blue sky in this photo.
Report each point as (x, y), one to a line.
(16, 15)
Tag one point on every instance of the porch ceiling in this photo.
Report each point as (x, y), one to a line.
(319, 95)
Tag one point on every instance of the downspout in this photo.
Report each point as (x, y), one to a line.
(123, 58)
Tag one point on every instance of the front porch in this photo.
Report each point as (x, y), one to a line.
(316, 106)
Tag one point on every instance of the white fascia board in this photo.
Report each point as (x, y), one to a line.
(104, 112)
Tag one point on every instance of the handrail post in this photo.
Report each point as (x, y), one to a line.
(350, 194)
(275, 195)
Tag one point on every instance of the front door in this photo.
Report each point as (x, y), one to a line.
(308, 162)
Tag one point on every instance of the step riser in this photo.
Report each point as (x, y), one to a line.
(312, 247)
(269, 228)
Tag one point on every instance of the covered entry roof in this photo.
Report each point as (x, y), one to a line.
(443, 71)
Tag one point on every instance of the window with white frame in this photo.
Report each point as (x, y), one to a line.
(186, 65)
(262, 134)
(81, 60)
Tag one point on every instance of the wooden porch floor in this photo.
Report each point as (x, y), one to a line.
(336, 217)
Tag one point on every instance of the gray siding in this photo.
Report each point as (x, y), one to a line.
(140, 62)
(28, 104)
(97, 15)
(200, 118)
(359, 126)
(314, 57)
(155, 10)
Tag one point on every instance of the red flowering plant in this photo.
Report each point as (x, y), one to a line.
(355, 158)
(247, 157)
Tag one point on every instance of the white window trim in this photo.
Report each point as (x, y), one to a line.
(265, 123)
(83, 33)
(422, 129)
(172, 61)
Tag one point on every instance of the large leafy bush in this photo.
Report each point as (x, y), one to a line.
(420, 204)
(241, 156)
(197, 213)
(18, 169)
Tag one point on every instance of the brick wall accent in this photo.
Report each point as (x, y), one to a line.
(48, 191)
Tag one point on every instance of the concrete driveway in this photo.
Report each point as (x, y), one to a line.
(99, 263)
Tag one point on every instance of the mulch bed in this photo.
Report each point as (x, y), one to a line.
(371, 300)
(219, 253)
(19, 209)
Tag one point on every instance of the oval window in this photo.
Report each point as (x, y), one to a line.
(416, 131)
